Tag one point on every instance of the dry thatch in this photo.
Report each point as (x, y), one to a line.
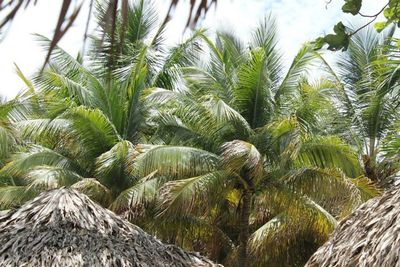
(63, 227)
(370, 236)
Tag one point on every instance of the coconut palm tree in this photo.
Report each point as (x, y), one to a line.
(7, 138)
(236, 149)
(110, 17)
(274, 168)
(84, 122)
(369, 100)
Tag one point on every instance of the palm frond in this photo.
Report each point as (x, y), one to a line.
(111, 166)
(297, 69)
(329, 152)
(253, 95)
(144, 191)
(173, 161)
(238, 156)
(324, 185)
(14, 196)
(95, 130)
(300, 225)
(50, 177)
(93, 189)
(184, 196)
(34, 156)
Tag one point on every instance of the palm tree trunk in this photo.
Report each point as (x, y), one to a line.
(244, 227)
(372, 148)
(370, 161)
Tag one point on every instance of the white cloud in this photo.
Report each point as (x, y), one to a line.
(298, 21)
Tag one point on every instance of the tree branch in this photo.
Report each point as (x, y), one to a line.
(373, 16)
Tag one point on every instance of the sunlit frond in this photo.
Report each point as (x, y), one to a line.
(298, 68)
(34, 156)
(253, 95)
(183, 196)
(238, 156)
(14, 196)
(95, 130)
(323, 185)
(50, 177)
(141, 193)
(329, 152)
(94, 189)
(175, 161)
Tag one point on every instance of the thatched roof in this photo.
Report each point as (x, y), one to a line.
(63, 227)
(370, 236)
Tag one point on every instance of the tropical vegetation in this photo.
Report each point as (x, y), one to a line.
(214, 144)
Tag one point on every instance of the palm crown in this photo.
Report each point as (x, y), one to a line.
(210, 145)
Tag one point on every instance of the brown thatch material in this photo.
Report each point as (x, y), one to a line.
(370, 236)
(63, 227)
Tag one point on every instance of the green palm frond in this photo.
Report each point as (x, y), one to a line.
(224, 114)
(71, 74)
(173, 161)
(233, 47)
(25, 80)
(94, 189)
(11, 112)
(196, 122)
(329, 152)
(35, 129)
(161, 96)
(253, 95)
(286, 134)
(183, 196)
(95, 130)
(238, 156)
(218, 75)
(300, 225)
(62, 59)
(34, 156)
(14, 196)
(324, 185)
(116, 157)
(49, 177)
(391, 144)
(298, 68)
(183, 55)
(210, 238)
(74, 88)
(265, 36)
(7, 140)
(144, 191)
(114, 45)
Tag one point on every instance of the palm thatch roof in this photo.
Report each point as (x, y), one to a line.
(63, 227)
(370, 236)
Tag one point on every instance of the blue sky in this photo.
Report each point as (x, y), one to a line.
(298, 21)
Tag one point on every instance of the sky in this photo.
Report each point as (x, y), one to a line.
(298, 21)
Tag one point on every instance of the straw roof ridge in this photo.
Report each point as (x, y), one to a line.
(63, 227)
(370, 236)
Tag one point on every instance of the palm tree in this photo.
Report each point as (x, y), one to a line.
(110, 18)
(7, 138)
(368, 101)
(86, 122)
(230, 149)
(274, 170)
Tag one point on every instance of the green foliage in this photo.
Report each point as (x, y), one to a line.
(352, 6)
(211, 144)
(340, 39)
(337, 41)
